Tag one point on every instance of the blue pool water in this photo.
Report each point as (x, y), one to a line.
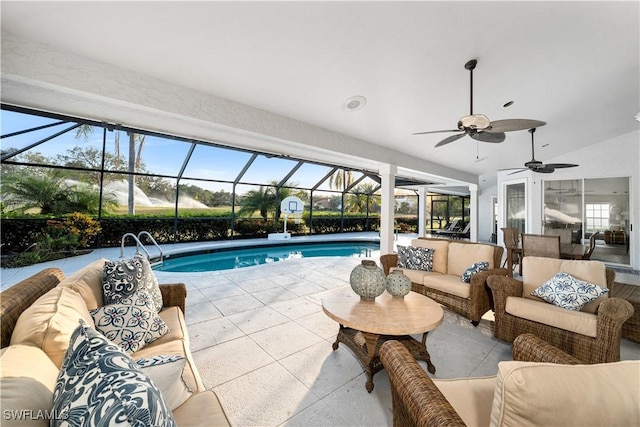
(247, 257)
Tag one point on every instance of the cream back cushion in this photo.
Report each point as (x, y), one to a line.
(88, 282)
(546, 394)
(440, 254)
(537, 270)
(463, 255)
(49, 322)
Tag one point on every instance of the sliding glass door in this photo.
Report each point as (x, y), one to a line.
(578, 208)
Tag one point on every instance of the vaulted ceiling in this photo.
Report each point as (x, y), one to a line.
(574, 65)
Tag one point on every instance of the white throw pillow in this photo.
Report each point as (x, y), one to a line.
(131, 323)
(166, 372)
(564, 290)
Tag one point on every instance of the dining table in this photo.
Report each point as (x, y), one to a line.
(573, 250)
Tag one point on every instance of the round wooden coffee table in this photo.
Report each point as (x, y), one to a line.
(366, 325)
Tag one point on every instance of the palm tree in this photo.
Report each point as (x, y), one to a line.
(357, 201)
(257, 200)
(341, 179)
(24, 191)
(49, 192)
(264, 199)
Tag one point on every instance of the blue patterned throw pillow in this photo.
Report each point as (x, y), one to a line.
(121, 278)
(415, 258)
(99, 385)
(475, 268)
(564, 290)
(149, 282)
(131, 323)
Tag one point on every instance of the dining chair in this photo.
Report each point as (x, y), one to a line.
(540, 245)
(592, 245)
(511, 242)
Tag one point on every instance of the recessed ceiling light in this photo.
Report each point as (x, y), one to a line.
(508, 104)
(638, 117)
(354, 103)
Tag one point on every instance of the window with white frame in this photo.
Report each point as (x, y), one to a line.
(597, 216)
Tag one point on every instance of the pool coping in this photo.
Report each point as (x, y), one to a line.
(11, 276)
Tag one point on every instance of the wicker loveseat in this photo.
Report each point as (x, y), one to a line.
(592, 334)
(543, 386)
(34, 346)
(450, 259)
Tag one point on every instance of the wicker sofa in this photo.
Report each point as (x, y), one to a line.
(450, 259)
(531, 390)
(34, 344)
(592, 334)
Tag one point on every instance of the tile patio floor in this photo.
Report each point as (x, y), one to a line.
(261, 341)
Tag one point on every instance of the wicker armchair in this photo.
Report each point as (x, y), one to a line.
(417, 400)
(609, 315)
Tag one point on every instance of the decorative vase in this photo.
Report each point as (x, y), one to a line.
(398, 284)
(367, 280)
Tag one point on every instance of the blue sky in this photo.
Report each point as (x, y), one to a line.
(162, 155)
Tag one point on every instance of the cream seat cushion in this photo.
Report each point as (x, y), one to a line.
(201, 406)
(416, 276)
(547, 394)
(549, 314)
(27, 384)
(537, 270)
(49, 322)
(470, 397)
(447, 283)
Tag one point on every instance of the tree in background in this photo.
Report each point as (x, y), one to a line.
(264, 199)
(356, 202)
(49, 192)
(341, 179)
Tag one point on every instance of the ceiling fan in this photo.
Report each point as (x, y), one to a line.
(537, 165)
(479, 127)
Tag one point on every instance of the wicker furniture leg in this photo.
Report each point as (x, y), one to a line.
(366, 347)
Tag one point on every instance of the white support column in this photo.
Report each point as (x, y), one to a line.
(388, 176)
(422, 211)
(473, 211)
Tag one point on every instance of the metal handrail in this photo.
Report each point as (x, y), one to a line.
(146, 233)
(138, 244)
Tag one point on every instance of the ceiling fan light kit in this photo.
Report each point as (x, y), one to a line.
(478, 126)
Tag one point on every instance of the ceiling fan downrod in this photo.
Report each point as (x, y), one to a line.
(471, 65)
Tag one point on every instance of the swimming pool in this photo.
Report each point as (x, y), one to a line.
(232, 258)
